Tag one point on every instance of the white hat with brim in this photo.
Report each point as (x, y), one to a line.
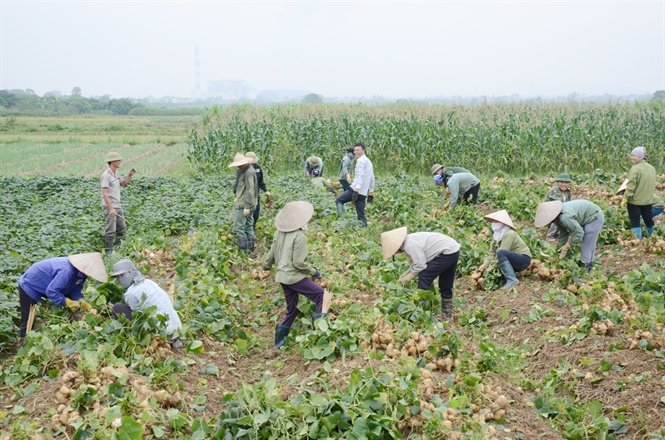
(624, 186)
(547, 212)
(436, 167)
(90, 264)
(391, 241)
(239, 160)
(253, 158)
(501, 217)
(293, 216)
(113, 156)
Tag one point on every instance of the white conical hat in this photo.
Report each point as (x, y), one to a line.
(293, 216)
(624, 186)
(239, 160)
(501, 217)
(90, 264)
(391, 241)
(547, 212)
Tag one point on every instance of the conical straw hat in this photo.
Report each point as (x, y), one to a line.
(624, 186)
(501, 217)
(436, 167)
(391, 241)
(239, 160)
(293, 216)
(90, 264)
(547, 212)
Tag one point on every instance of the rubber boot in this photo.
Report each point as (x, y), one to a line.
(509, 273)
(446, 309)
(649, 232)
(340, 209)
(281, 331)
(108, 244)
(637, 232)
(250, 244)
(588, 266)
(242, 243)
(316, 316)
(118, 238)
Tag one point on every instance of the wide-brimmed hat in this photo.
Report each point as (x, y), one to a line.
(90, 264)
(253, 158)
(563, 177)
(624, 186)
(501, 217)
(391, 241)
(547, 212)
(313, 161)
(112, 156)
(436, 167)
(239, 160)
(293, 216)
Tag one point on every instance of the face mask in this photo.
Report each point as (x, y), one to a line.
(125, 280)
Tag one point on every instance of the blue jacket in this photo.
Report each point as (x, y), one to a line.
(55, 279)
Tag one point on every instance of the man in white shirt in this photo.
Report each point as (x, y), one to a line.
(362, 188)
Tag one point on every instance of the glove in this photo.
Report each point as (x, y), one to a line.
(564, 250)
(406, 277)
(245, 212)
(370, 199)
(624, 202)
(72, 305)
(85, 306)
(354, 197)
(316, 275)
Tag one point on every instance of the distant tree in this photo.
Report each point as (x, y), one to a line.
(313, 98)
(7, 99)
(76, 91)
(79, 105)
(30, 92)
(53, 93)
(121, 106)
(659, 95)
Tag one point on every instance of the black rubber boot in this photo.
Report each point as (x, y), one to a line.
(108, 243)
(250, 244)
(446, 309)
(242, 243)
(316, 316)
(281, 331)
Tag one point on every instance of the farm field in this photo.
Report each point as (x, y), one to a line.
(565, 354)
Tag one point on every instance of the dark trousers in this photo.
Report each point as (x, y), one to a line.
(345, 184)
(471, 194)
(121, 309)
(306, 287)
(637, 211)
(518, 261)
(26, 302)
(442, 266)
(257, 211)
(347, 196)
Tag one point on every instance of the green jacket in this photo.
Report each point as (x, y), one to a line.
(320, 182)
(573, 217)
(344, 167)
(657, 202)
(454, 170)
(289, 252)
(641, 183)
(459, 184)
(555, 193)
(246, 188)
(511, 241)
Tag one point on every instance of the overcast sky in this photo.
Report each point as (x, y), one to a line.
(351, 49)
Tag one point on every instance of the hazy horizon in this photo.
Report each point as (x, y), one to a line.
(390, 49)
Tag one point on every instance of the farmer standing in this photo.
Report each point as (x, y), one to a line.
(254, 161)
(140, 294)
(561, 192)
(344, 175)
(313, 163)
(288, 253)
(507, 250)
(638, 196)
(579, 223)
(244, 203)
(432, 255)
(60, 279)
(362, 188)
(111, 182)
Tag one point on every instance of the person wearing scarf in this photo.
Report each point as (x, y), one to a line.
(508, 250)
